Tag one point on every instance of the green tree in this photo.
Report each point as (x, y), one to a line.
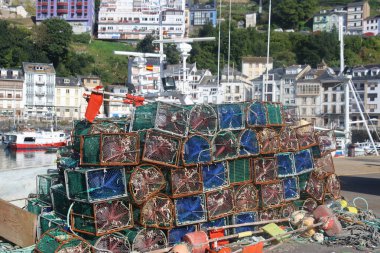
(146, 45)
(286, 14)
(172, 54)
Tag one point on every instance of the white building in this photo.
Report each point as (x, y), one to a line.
(11, 83)
(69, 101)
(116, 109)
(357, 12)
(250, 20)
(372, 26)
(144, 74)
(253, 66)
(235, 86)
(134, 19)
(38, 89)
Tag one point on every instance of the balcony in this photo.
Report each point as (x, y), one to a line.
(62, 4)
(44, 11)
(44, 3)
(40, 93)
(62, 11)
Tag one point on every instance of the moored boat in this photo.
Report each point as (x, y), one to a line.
(36, 140)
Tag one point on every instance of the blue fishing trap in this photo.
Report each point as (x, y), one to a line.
(231, 116)
(291, 188)
(175, 235)
(256, 115)
(190, 210)
(248, 143)
(196, 150)
(285, 164)
(303, 161)
(242, 218)
(215, 176)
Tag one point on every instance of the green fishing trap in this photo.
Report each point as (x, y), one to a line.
(144, 117)
(37, 206)
(61, 203)
(44, 182)
(49, 221)
(240, 171)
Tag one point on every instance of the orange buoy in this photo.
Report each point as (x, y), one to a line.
(180, 248)
(198, 241)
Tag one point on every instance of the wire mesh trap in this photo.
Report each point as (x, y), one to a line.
(272, 195)
(315, 187)
(269, 142)
(220, 203)
(203, 120)
(324, 166)
(291, 188)
(248, 143)
(90, 185)
(287, 210)
(161, 149)
(274, 114)
(303, 161)
(265, 170)
(242, 218)
(119, 149)
(90, 149)
(175, 235)
(215, 176)
(309, 205)
(37, 206)
(143, 117)
(333, 186)
(49, 221)
(285, 164)
(224, 146)
(326, 141)
(190, 210)
(60, 241)
(145, 181)
(290, 115)
(60, 202)
(231, 116)
(246, 198)
(185, 181)
(173, 119)
(146, 239)
(44, 182)
(288, 140)
(305, 136)
(115, 243)
(256, 115)
(196, 150)
(269, 214)
(105, 127)
(157, 212)
(102, 217)
(214, 223)
(240, 171)
(81, 127)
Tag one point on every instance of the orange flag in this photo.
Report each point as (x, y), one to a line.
(94, 104)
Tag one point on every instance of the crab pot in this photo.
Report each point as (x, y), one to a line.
(309, 205)
(115, 242)
(241, 218)
(172, 118)
(288, 140)
(246, 198)
(231, 116)
(143, 117)
(316, 187)
(303, 179)
(269, 141)
(326, 141)
(49, 221)
(224, 146)
(269, 214)
(303, 161)
(145, 239)
(333, 186)
(240, 171)
(37, 206)
(157, 212)
(248, 143)
(291, 188)
(119, 149)
(57, 240)
(220, 203)
(215, 176)
(272, 195)
(102, 217)
(214, 223)
(185, 181)
(91, 185)
(190, 210)
(274, 114)
(265, 170)
(44, 182)
(60, 202)
(145, 181)
(105, 127)
(324, 166)
(287, 210)
(162, 149)
(285, 164)
(256, 115)
(81, 127)
(175, 235)
(203, 120)
(290, 115)
(90, 149)
(196, 150)
(305, 136)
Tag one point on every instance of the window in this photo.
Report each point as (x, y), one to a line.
(287, 91)
(67, 110)
(334, 98)
(228, 89)
(67, 91)
(9, 95)
(303, 111)
(29, 139)
(237, 89)
(325, 109)
(304, 100)
(326, 98)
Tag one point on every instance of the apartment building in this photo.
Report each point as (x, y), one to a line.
(235, 85)
(274, 84)
(69, 101)
(144, 73)
(254, 67)
(38, 89)
(11, 83)
(372, 26)
(117, 109)
(328, 20)
(202, 13)
(80, 14)
(357, 12)
(133, 20)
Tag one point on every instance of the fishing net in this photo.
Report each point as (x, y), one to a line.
(315, 187)
(269, 142)
(203, 120)
(269, 214)
(326, 141)
(90, 150)
(305, 136)
(265, 170)
(309, 205)
(145, 240)
(333, 186)
(220, 203)
(231, 116)
(272, 195)
(214, 223)
(61, 203)
(101, 218)
(37, 206)
(115, 243)
(175, 235)
(81, 127)
(246, 198)
(144, 117)
(240, 171)
(49, 221)
(303, 161)
(285, 164)
(291, 188)
(190, 210)
(119, 149)
(173, 119)
(324, 166)
(145, 181)
(242, 218)
(90, 185)
(224, 146)
(215, 176)
(287, 210)
(105, 127)
(161, 149)
(57, 240)
(186, 181)
(248, 143)
(44, 182)
(303, 179)
(288, 140)
(157, 212)
(196, 150)
(290, 115)
(274, 114)
(256, 115)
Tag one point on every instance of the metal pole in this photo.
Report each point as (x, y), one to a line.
(220, 22)
(268, 42)
(229, 45)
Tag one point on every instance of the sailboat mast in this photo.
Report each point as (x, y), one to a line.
(220, 22)
(229, 45)
(268, 42)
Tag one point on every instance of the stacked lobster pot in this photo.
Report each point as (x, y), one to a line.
(176, 169)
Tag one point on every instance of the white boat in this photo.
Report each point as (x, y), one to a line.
(35, 139)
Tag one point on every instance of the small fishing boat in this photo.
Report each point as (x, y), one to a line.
(36, 139)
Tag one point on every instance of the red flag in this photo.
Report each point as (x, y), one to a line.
(94, 104)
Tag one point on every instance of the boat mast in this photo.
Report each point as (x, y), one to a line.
(229, 45)
(220, 26)
(263, 98)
